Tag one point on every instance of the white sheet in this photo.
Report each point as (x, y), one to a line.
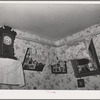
(11, 72)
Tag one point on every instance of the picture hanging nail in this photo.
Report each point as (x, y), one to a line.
(81, 83)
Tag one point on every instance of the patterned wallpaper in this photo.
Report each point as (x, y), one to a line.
(79, 49)
(84, 33)
(42, 53)
(49, 55)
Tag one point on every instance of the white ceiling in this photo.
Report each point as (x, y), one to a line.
(50, 21)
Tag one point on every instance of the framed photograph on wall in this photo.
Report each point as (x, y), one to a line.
(87, 67)
(30, 64)
(93, 54)
(59, 68)
(81, 83)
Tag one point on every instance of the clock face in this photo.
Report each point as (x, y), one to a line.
(7, 40)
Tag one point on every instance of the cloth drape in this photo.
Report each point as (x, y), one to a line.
(11, 72)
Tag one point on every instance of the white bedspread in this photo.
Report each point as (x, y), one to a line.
(11, 72)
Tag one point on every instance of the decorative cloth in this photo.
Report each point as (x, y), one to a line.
(11, 72)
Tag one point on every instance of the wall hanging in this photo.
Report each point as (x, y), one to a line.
(93, 55)
(7, 37)
(11, 72)
(87, 67)
(81, 83)
(30, 64)
(59, 68)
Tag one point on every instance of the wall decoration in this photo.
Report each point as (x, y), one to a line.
(11, 72)
(30, 64)
(87, 67)
(59, 68)
(45, 80)
(82, 67)
(81, 83)
(93, 55)
(7, 37)
(96, 41)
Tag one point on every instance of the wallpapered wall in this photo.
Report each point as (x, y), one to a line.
(48, 55)
(42, 53)
(79, 49)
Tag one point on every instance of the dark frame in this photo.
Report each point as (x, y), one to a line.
(81, 83)
(94, 61)
(59, 68)
(29, 64)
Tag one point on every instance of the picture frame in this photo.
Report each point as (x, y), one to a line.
(81, 83)
(59, 68)
(30, 64)
(87, 67)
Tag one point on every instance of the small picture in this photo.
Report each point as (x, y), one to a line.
(59, 68)
(81, 83)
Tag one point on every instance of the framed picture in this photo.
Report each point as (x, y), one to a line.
(30, 64)
(59, 68)
(81, 83)
(87, 67)
(93, 55)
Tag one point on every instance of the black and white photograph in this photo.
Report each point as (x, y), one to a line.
(59, 68)
(49, 46)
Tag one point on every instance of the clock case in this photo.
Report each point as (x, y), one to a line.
(7, 51)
